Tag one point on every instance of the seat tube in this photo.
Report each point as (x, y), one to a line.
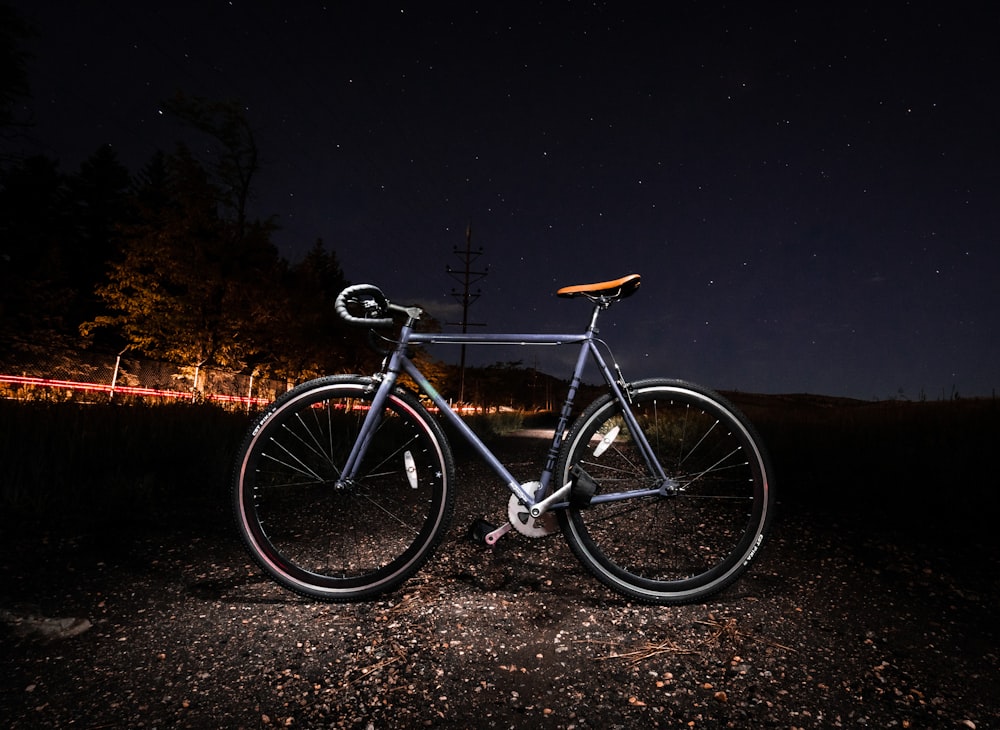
(567, 409)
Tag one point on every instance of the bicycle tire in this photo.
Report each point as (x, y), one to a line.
(687, 545)
(352, 542)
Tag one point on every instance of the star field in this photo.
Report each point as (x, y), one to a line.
(809, 194)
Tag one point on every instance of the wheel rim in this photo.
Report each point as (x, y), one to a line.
(319, 537)
(682, 544)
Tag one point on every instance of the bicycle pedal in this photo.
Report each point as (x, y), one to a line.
(479, 529)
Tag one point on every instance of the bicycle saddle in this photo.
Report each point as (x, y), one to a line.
(617, 289)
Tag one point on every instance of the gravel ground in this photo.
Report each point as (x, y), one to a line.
(131, 624)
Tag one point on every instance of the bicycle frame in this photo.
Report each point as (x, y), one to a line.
(343, 488)
(398, 362)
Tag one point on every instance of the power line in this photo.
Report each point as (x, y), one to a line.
(466, 277)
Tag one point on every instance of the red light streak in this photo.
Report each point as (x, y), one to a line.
(127, 390)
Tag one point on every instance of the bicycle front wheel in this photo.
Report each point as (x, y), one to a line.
(322, 537)
(700, 532)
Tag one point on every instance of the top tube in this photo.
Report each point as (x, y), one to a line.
(443, 338)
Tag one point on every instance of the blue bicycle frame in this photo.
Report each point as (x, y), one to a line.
(541, 501)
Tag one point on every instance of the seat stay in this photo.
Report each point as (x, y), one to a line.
(619, 391)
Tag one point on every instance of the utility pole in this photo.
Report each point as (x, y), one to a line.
(466, 277)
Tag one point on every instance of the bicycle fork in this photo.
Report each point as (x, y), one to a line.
(368, 428)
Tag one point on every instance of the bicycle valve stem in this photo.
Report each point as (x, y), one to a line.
(540, 508)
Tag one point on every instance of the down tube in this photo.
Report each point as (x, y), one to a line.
(470, 435)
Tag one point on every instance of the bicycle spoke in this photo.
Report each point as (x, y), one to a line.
(337, 541)
(690, 541)
(294, 462)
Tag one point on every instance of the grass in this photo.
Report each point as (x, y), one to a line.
(104, 460)
(927, 465)
(493, 425)
(68, 458)
(924, 463)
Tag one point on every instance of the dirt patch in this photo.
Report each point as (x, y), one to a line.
(837, 625)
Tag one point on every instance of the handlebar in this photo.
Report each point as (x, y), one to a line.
(374, 307)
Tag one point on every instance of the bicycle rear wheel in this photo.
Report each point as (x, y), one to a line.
(700, 534)
(329, 540)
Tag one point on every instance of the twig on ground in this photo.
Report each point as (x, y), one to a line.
(652, 649)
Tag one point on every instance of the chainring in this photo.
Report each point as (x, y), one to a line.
(522, 520)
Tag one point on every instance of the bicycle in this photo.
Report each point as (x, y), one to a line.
(343, 486)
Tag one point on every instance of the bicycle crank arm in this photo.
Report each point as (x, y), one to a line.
(540, 508)
(492, 537)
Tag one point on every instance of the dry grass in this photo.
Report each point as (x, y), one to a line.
(897, 461)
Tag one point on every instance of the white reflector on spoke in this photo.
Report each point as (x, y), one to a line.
(411, 469)
(609, 437)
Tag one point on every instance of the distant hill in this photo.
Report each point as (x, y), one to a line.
(790, 400)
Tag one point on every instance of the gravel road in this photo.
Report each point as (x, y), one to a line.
(133, 623)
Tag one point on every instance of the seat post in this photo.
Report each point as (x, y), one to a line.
(599, 305)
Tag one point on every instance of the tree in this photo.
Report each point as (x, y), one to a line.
(13, 74)
(97, 204)
(188, 287)
(57, 232)
(234, 160)
(197, 281)
(311, 339)
(33, 225)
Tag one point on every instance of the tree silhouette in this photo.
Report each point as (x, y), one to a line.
(233, 158)
(57, 232)
(307, 337)
(33, 228)
(13, 74)
(167, 262)
(97, 202)
(190, 286)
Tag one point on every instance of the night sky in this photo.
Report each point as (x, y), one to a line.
(811, 196)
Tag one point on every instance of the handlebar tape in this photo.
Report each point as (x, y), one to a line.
(371, 298)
